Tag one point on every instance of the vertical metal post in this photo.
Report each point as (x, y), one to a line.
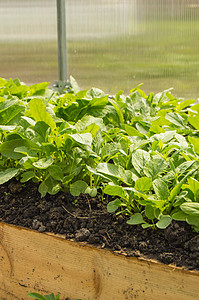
(61, 39)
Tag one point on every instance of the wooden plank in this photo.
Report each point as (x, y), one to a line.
(32, 261)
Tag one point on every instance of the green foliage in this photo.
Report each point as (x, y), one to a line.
(38, 296)
(141, 151)
(46, 297)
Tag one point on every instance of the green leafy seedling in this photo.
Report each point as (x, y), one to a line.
(51, 296)
(38, 296)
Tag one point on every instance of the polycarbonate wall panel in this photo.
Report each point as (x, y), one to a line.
(117, 44)
(112, 44)
(28, 40)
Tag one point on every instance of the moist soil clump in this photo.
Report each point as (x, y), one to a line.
(85, 219)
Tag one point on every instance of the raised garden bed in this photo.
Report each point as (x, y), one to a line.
(41, 262)
(119, 173)
(126, 267)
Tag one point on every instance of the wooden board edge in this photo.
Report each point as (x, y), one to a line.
(44, 262)
(84, 245)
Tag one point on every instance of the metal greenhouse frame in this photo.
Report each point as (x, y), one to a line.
(62, 49)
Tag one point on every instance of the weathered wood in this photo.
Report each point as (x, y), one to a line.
(31, 261)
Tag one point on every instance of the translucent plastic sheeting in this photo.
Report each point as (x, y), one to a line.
(28, 45)
(117, 44)
(112, 44)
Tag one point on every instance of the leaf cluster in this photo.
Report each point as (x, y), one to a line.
(140, 150)
(38, 296)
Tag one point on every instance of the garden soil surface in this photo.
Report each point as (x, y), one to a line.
(85, 219)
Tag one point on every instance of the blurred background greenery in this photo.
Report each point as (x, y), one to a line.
(112, 44)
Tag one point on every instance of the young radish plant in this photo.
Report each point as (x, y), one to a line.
(140, 150)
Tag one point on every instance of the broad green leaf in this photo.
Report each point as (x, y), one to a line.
(154, 167)
(27, 176)
(159, 204)
(190, 208)
(36, 296)
(18, 89)
(27, 161)
(174, 192)
(146, 225)
(118, 110)
(131, 131)
(46, 297)
(115, 171)
(154, 145)
(43, 189)
(143, 184)
(157, 212)
(176, 119)
(52, 297)
(160, 121)
(194, 121)
(115, 190)
(136, 219)
(113, 205)
(93, 129)
(136, 88)
(82, 138)
(179, 216)
(39, 112)
(195, 107)
(182, 168)
(156, 129)
(94, 171)
(12, 114)
(185, 104)
(162, 96)
(137, 142)
(111, 149)
(150, 212)
(164, 136)
(181, 140)
(161, 189)
(29, 120)
(43, 163)
(99, 103)
(117, 97)
(181, 198)
(142, 129)
(8, 174)
(79, 187)
(195, 143)
(53, 186)
(26, 151)
(92, 192)
(7, 127)
(75, 171)
(36, 88)
(42, 129)
(95, 93)
(89, 120)
(8, 147)
(160, 144)
(193, 185)
(193, 220)
(164, 221)
(139, 159)
(5, 104)
(3, 82)
(56, 172)
(74, 84)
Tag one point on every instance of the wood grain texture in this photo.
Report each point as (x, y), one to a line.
(32, 261)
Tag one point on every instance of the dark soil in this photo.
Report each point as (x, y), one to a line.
(86, 219)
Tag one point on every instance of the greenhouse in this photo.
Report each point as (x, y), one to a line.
(99, 149)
